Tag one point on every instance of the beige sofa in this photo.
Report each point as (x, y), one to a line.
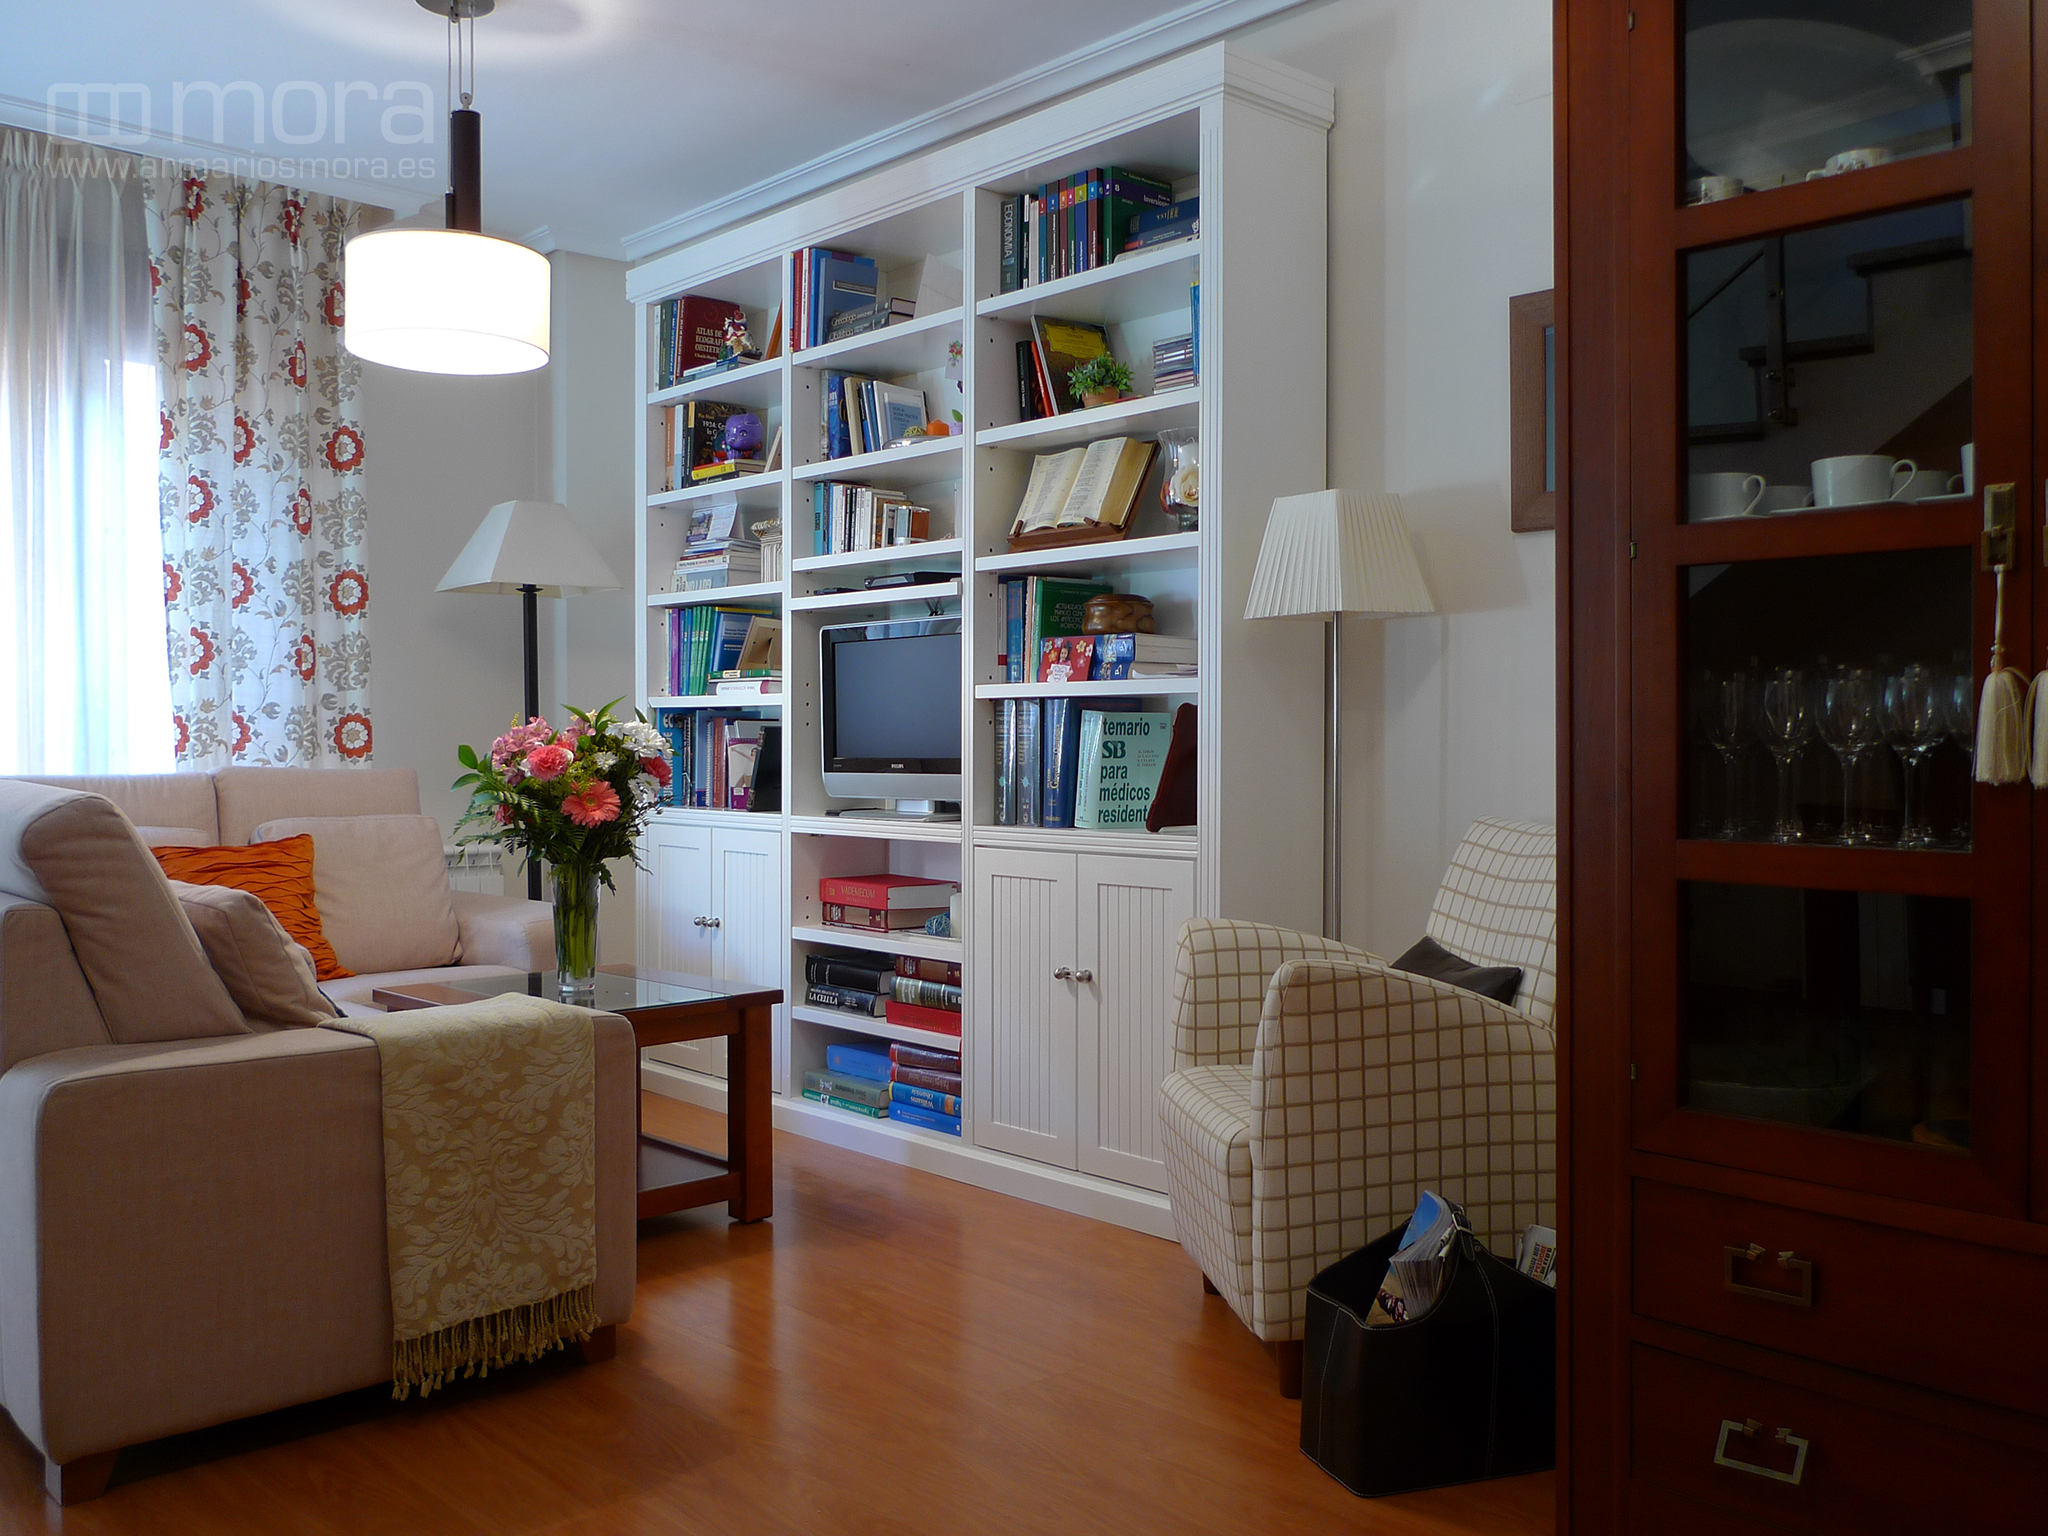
(192, 1206)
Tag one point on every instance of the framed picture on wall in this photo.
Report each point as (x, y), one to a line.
(1532, 412)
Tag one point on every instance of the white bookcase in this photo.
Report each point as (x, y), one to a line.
(1067, 936)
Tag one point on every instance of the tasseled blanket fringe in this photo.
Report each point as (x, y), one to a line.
(502, 1338)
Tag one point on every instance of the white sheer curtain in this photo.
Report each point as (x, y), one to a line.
(84, 670)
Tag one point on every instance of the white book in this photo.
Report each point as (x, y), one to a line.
(1091, 482)
(1045, 494)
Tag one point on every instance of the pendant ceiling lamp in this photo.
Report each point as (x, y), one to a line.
(451, 300)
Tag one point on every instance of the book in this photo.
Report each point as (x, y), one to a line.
(893, 892)
(1009, 244)
(873, 973)
(1535, 1250)
(1120, 759)
(1106, 486)
(878, 920)
(926, 994)
(1066, 659)
(899, 411)
(1027, 383)
(1026, 745)
(925, 1077)
(872, 1111)
(1155, 224)
(747, 688)
(1120, 656)
(841, 282)
(925, 1119)
(924, 1098)
(1006, 763)
(927, 969)
(862, 1090)
(1060, 773)
(693, 333)
(929, 1057)
(1063, 346)
(1055, 605)
(859, 1058)
(1127, 197)
(945, 1021)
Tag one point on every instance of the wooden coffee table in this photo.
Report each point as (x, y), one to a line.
(666, 1007)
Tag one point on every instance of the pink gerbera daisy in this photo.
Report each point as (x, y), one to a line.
(592, 807)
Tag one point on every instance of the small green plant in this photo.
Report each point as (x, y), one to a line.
(1099, 376)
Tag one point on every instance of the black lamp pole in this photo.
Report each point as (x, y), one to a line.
(529, 605)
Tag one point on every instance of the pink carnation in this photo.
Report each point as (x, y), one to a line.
(592, 807)
(656, 769)
(502, 814)
(549, 762)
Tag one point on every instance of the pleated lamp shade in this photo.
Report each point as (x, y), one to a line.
(1336, 552)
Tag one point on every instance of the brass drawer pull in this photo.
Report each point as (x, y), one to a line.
(1803, 1268)
(1748, 1428)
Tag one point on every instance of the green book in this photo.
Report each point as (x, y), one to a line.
(1121, 758)
(1054, 606)
(872, 1111)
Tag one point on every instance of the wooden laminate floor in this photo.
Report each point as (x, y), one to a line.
(892, 1353)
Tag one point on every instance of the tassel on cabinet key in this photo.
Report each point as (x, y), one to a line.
(2001, 713)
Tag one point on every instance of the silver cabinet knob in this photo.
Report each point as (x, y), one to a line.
(712, 922)
(1064, 973)
(1084, 975)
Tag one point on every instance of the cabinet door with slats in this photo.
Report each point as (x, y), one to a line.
(1023, 1053)
(748, 943)
(675, 895)
(1130, 912)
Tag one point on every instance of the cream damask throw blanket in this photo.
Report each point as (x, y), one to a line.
(490, 1183)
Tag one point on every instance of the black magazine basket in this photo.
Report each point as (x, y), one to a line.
(1466, 1392)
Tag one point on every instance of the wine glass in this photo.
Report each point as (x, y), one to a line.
(1962, 725)
(1728, 717)
(1915, 717)
(1850, 725)
(1785, 713)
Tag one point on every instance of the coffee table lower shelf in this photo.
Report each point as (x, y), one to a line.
(674, 1177)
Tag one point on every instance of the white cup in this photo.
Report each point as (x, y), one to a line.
(1851, 160)
(1713, 189)
(1785, 498)
(1923, 483)
(1969, 475)
(1725, 493)
(1857, 479)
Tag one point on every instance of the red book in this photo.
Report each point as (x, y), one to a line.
(918, 1077)
(892, 893)
(947, 971)
(942, 1020)
(700, 329)
(1066, 659)
(839, 915)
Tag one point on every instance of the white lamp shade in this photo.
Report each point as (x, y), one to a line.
(529, 544)
(1336, 552)
(446, 301)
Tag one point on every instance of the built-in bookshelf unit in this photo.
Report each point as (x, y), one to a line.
(1064, 936)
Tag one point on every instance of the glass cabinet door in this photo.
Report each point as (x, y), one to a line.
(1831, 958)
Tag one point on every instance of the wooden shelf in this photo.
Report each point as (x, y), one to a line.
(912, 942)
(1842, 531)
(934, 459)
(885, 597)
(1950, 173)
(712, 701)
(1112, 688)
(1165, 551)
(889, 554)
(752, 490)
(898, 1129)
(866, 1024)
(758, 385)
(1820, 866)
(1142, 283)
(915, 346)
(750, 592)
(1140, 417)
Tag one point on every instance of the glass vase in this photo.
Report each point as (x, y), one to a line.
(576, 893)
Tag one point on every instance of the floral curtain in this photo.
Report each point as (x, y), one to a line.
(261, 475)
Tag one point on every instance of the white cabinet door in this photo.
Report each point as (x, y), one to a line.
(1023, 1054)
(675, 892)
(1128, 918)
(751, 939)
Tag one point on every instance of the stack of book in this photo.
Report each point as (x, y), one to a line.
(718, 760)
(1083, 492)
(694, 450)
(692, 334)
(856, 1078)
(862, 415)
(1173, 363)
(829, 283)
(851, 981)
(718, 551)
(925, 994)
(1035, 608)
(1163, 226)
(1110, 658)
(709, 640)
(924, 1087)
(870, 317)
(847, 517)
(883, 903)
(1073, 225)
(1074, 763)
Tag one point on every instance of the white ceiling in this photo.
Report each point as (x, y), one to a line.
(611, 127)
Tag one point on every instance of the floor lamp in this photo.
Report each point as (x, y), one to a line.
(1331, 553)
(536, 549)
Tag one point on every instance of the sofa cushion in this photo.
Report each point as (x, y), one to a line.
(249, 797)
(153, 799)
(270, 977)
(174, 837)
(382, 885)
(76, 852)
(280, 873)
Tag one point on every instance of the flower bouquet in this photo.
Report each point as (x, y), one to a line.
(575, 798)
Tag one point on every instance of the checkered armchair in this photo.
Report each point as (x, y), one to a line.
(1317, 1091)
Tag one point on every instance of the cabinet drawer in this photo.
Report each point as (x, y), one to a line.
(1860, 1469)
(1955, 1316)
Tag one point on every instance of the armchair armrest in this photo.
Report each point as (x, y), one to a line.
(1221, 973)
(505, 930)
(1370, 1085)
(45, 1003)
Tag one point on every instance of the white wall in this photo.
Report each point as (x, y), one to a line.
(1440, 209)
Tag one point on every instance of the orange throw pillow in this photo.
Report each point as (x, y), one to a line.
(279, 874)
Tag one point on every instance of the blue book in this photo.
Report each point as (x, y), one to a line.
(835, 421)
(844, 282)
(924, 1119)
(1013, 629)
(821, 513)
(1114, 655)
(1061, 775)
(926, 1098)
(861, 1058)
(1167, 223)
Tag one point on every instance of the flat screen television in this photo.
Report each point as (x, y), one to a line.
(891, 697)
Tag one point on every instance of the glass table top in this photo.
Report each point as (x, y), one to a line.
(616, 993)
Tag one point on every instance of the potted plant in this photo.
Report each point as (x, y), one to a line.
(577, 798)
(1099, 381)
